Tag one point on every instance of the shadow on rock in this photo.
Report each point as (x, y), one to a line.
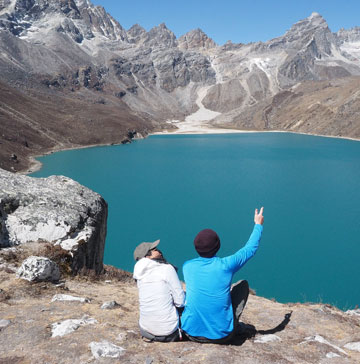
(248, 331)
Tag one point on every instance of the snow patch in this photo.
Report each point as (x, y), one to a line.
(39, 30)
(269, 66)
(337, 56)
(215, 66)
(262, 63)
(353, 48)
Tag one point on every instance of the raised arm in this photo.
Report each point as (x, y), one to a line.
(236, 261)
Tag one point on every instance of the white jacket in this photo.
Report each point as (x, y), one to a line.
(159, 292)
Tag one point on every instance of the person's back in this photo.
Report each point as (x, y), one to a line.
(209, 307)
(208, 310)
(160, 292)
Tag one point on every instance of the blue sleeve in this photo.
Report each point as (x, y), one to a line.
(236, 261)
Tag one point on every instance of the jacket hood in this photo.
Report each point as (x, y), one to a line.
(143, 267)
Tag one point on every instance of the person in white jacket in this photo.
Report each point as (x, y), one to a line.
(160, 293)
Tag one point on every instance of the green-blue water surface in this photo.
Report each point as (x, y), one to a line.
(171, 187)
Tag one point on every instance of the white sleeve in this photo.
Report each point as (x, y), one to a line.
(176, 290)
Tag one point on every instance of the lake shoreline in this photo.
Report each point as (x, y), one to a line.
(239, 131)
(36, 165)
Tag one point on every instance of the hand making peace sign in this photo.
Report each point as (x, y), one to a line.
(259, 218)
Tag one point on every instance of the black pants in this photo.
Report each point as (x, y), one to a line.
(239, 295)
(164, 339)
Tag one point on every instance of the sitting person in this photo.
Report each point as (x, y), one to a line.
(212, 308)
(160, 293)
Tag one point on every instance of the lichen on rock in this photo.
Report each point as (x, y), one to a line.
(56, 210)
(35, 269)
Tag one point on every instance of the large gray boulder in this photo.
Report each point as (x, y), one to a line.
(37, 269)
(56, 210)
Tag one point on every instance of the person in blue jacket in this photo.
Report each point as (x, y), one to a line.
(212, 307)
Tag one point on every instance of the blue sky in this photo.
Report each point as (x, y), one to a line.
(241, 21)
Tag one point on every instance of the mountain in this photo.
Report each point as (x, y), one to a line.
(71, 50)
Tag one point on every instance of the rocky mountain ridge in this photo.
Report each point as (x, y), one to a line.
(73, 49)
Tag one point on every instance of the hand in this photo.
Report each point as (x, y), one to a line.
(259, 218)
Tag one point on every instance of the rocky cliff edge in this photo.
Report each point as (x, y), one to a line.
(76, 321)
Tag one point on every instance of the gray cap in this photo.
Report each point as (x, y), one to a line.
(142, 249)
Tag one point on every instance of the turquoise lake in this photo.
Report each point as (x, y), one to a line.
(170, 187)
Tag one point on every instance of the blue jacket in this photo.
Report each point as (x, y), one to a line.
(208, 309)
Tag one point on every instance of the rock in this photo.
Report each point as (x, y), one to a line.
(4, 296)
(109, 305)
(57, 210)
(355, 346)
(68, 326)
(8, 267)
(122, 336)
(105, 349)
(331, 355)
(355, 312)
(160, 36)
(72, 244)
(136, 33)
(149, 360)
(4, 324)
(267, 338)
(196, 39)
(65, 297)
(36, 269)
(321, 340)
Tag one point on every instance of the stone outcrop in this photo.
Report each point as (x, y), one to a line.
(37, 269)
(56, 210)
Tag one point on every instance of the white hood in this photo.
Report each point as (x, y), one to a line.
(143, 267)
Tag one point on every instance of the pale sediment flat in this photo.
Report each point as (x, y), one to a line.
(198, 122)
(197, 127)
(204, 128)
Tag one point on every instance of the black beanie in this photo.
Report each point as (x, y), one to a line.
(207, 243)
